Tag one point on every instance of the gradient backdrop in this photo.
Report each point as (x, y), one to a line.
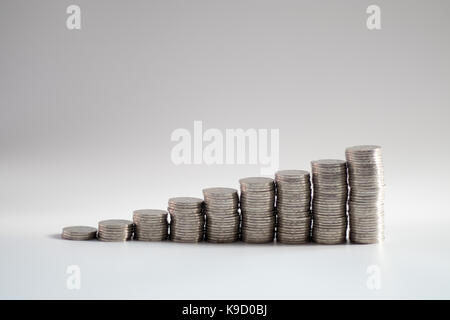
(86, 118)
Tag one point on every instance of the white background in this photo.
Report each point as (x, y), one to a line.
(86, 118)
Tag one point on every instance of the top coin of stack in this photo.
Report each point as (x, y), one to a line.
(150, 225)
(257, 208)
(187, 221)
(366, 201)
(79, 233)
(330, 192)
(222, 216)
(115, 230)
(293, 206)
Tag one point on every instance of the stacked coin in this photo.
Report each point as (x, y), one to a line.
(330, 192)
(187, 221)
(222, 215)
(293, 206)
(257, 208)
(115, 230)
(366, 201)
(150, 225)
(79, 233)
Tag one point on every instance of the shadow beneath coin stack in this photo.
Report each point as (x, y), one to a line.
(55, 236)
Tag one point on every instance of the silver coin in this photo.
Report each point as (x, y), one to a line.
(220, 192)
(115, 230)
(187, 219)
(115, 223)
(293, 207)
(149, 213)
(256, 181)
(150, 225)
(366, 196)
(329, 202)
(79, 233)
(292, 176)
(250, 239)
(186, 201)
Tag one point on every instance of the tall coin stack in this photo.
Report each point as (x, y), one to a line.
(222, 215)
(150, 225)
(293, 206)
(257, 208)
(330, 192)
(366, 202)
(187, 221)
(115, 230)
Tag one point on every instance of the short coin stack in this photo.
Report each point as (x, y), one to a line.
(329, 201)
(150, 225)
(293, 206)
(222, 215)
(79, 233)
(187, 221)
(257, 208)
(115, 230)
(366, 201)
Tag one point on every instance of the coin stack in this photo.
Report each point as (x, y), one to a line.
(293, 206)
(257, 208)
(366, 201)
(115, 230)
(222, 216)
(79, 233)
(330, 192)
(150, 225)
(187, 221)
